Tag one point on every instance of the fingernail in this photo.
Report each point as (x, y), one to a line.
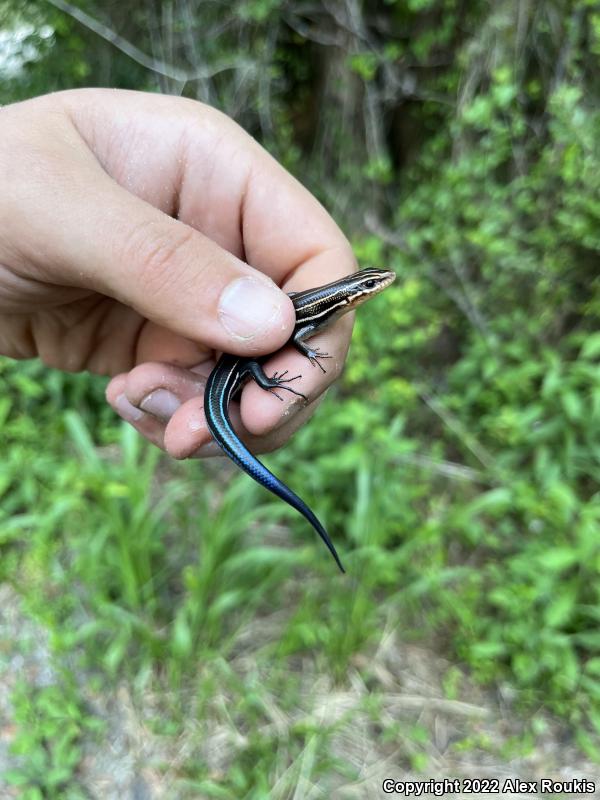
(161, 403)
(248, 306)
(126, 410)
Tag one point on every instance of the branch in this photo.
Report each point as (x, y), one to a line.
(460, 297)
(137, 55)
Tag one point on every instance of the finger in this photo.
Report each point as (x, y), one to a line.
(174, 397)
(148, 425)
(187, 434)
(225, 185)
(260, 417)
(193, 162)
(159, 389)
(86, 230)
(157, 343)
(169, 273)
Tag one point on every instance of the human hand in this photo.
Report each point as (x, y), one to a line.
(128, 224)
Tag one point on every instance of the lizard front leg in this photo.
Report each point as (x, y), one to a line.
(312, 353)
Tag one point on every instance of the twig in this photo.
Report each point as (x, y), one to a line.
(477, 317)
(449, 468)
(312, 33)
(458, 708)
(376, 226)
(264, 81)
(453, 707)
(478, 450)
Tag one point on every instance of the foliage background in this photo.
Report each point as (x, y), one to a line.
(457, 141)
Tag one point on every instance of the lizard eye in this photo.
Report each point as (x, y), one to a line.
(370, 284)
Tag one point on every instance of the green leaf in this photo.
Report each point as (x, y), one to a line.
(495, 501)
(573, 406)
(591, 346)
(15, 777)
(182, 635)
(558, 559)
(592, 666)
(559, 610)
(487, 650)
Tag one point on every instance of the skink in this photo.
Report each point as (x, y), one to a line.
(315, 309)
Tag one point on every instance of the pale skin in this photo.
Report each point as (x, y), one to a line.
(141, 235)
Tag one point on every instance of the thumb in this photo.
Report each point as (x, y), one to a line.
(97, 235)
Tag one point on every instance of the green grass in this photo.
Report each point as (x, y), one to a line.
(456, 466)
(51, 723)
(189, 582)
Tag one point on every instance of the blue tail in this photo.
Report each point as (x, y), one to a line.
(220, 426)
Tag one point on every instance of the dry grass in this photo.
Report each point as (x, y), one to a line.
(391, 717)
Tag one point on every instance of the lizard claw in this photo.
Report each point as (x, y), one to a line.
(278, 380)
(314, 354)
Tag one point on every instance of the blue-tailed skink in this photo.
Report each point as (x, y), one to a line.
(315, 309)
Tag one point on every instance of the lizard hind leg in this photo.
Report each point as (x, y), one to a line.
(278, 381)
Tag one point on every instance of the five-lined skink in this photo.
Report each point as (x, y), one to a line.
(315, 309)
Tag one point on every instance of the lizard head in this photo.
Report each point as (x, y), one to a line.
(365, 283)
